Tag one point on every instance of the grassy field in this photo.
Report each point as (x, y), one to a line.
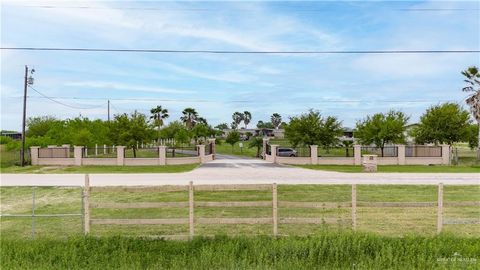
(325, 250)
(391, 221)
(398, 168)
(226, 149)
(100, 169)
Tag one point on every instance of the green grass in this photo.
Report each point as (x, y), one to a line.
(325, 250)
(397, 168)
(226, 149)
(100, 169)
(393, 221)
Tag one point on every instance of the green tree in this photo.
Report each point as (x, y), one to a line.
(158, 115)
(276, 120)
(446, 123)
(262, 124)
(127, 130)
(39, 126)
(232, 138)
(247, 117)
(200, 131)
(190, 117)
(472, 79)
(256, 142)
(237, 119)
(381, 129)
(222, 126)
(182, 137)
(313, 129)
(473, 136)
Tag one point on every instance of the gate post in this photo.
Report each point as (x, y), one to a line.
(314, 154)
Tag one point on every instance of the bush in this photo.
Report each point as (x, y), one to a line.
(5, 139)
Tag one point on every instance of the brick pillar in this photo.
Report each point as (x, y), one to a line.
(34, 154)
(445, 154)
(314, 154)
(162, 155)
(274, 152)
(77, 154)
(264, 148)
(201, 153)
(401, 154)
(357, 149)
(120, 155)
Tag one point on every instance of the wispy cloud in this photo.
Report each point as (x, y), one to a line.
(111, 86)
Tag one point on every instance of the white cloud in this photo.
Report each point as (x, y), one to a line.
(125, 87)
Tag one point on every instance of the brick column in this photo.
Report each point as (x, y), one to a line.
(120, 155)
(162, 155)
(357, 149)
(77, 154)
(274, 152)
(201, 152)
(314, 154)
(265, 142)
(34, 154)
(401, 154)
(445, 154)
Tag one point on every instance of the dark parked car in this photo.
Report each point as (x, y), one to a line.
(286, 152)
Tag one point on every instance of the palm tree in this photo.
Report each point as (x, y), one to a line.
(247, 116)
(237, 118)
(189, 117)
(276, 120)
(256, 142)
(472, 78)
(158, 115)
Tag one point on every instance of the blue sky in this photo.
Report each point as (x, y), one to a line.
(347, 86)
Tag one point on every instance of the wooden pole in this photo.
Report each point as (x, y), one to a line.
(354, 207)
(275, 209)
(440, 209)
(190, 207)
(86, 205)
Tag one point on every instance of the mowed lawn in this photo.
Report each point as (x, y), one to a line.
(398, 168)
(100, 169)
(386, 221)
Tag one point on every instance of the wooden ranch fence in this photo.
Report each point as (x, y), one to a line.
(274, 220)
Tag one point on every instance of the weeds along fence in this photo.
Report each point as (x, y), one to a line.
(387, 151)
(100, 209)
(336, 152)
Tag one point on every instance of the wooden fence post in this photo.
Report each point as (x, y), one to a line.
(190, 207)
(354, 207)
(86, 205)
(275, 209)
(440, 208)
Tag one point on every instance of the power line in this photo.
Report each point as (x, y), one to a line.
(237, 52)
(61, 103)
(239, 101)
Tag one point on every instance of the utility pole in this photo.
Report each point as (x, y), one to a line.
(22, 150)
(28, 81)
(108, 110)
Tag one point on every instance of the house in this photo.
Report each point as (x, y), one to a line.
(12, 134)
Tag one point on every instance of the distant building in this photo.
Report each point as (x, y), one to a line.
(12, 134)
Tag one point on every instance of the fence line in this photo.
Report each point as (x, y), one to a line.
(274, 220)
